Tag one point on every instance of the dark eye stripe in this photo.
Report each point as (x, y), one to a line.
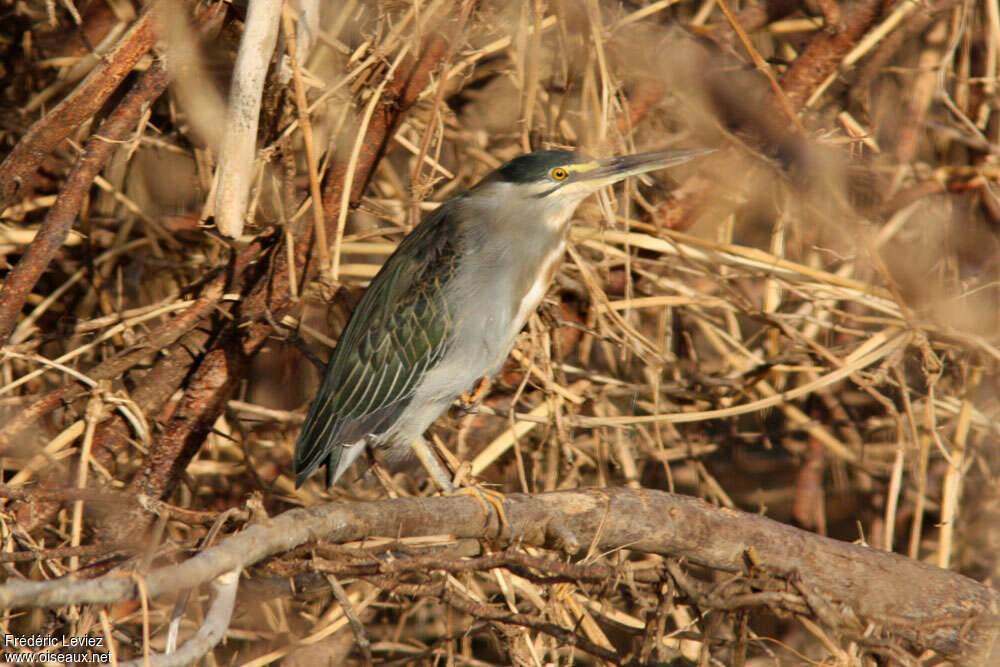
(546, 193)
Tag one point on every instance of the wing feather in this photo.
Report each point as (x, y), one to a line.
(399, 330)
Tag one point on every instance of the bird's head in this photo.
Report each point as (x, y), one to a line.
(559, 180)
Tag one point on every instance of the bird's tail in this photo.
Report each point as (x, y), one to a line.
(338, 441)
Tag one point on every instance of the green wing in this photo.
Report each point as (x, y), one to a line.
(398, 331)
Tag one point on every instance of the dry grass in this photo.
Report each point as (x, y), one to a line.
(806, 327)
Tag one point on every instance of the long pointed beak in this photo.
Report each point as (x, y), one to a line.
(613, 169)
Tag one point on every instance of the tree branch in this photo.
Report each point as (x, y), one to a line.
(85, 100)
(927, 606)
(211, 632)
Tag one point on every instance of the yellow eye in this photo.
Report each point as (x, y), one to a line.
(559, 174)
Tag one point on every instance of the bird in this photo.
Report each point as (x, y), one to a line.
(443, 312)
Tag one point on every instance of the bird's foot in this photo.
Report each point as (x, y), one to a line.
(486, 498)
(458, 485)
(469, 400)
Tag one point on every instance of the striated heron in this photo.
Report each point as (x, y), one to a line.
(442, 314)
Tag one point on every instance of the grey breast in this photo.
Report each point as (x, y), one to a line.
(502, 256)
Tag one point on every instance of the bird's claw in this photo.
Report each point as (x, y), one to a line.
(486, 498)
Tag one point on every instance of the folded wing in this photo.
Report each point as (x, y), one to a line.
(399, 330)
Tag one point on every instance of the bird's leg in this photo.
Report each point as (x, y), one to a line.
(469, 400)
(485, 497)
(438, 474)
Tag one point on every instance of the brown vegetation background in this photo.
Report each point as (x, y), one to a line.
(803, 325)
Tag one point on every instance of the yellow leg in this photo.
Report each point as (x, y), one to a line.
(433, 467)
(485, 497)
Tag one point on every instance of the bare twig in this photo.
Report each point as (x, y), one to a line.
(211, 632)
(239, 143)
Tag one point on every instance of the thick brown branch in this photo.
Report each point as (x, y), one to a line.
(400, 95)
(204, 399)
(928, 606)
(822, 56)
(57, 224)
(85, 100)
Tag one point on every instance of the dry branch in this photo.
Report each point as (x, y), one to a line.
(78, 106)
(99, 149)
(927, 606)
(239, 143)
(211, 632)
(823, 55)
